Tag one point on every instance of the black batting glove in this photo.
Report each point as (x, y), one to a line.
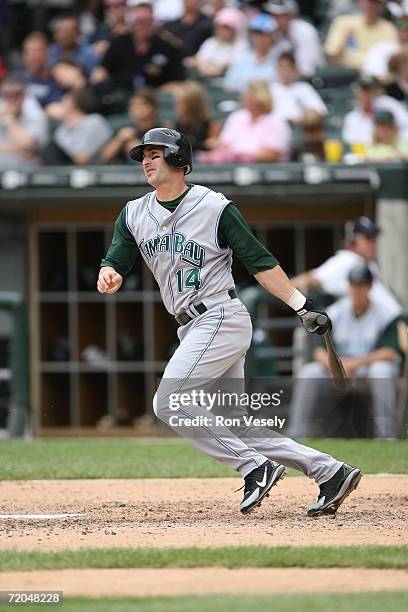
(314, 320)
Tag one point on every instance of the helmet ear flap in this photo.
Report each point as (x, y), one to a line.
(178, 158)
(175, 159)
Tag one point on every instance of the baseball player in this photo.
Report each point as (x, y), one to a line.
(359, 321)
(187, 235)
(331, 276)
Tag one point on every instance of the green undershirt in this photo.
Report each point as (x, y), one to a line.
(233, 232)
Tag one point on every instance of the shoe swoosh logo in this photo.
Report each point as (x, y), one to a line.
(263, 481)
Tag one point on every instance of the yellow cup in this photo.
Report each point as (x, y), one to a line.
(333, 150)
(359, 148)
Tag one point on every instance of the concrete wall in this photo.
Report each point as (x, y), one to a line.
(392, 216)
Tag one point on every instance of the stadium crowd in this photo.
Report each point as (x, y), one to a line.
(249, 81)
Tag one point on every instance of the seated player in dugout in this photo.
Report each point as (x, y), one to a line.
(187, 235)
(365, 336)
(330, 279)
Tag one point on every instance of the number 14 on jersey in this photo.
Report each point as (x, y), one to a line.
(187, 279)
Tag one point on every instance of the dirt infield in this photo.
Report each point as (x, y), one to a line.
(203, 581)
(196, 512)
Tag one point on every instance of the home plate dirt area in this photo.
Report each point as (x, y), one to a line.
(163, 513)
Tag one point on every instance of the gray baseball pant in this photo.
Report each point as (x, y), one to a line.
(212, 347)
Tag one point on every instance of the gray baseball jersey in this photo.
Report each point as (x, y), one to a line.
(181, 248)
(355, 336)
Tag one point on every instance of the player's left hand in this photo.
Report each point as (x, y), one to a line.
(309, 316)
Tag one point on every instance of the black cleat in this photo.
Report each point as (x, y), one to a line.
(334, 491)
(258, 483)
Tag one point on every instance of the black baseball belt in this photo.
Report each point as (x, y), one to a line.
(200, 308)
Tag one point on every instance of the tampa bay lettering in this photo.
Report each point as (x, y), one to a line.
(190, 251)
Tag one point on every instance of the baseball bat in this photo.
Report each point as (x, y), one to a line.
(336, 368)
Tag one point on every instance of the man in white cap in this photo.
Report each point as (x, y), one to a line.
(302, 35)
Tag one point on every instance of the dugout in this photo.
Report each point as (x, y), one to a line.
(95, 360)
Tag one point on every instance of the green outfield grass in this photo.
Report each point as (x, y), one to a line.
(348, 602)
(395, 557)
(163, 458)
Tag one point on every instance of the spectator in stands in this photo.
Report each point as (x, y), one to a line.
(380, 54)
(351, 36)
(398, 88)
(359, 322)
(217, 52)
(300, 34)
(310, 146)
(258, 62)
(386, 145)
(290, 92)
(67, 45)
(142, 57)
(23, 125)
(253, 133)
(82, 133)
(191, 29)
(115, 24)
(360, 247)
(193, 115)
(358, 124)
(37, 76)
(70, 76)
(143, 115)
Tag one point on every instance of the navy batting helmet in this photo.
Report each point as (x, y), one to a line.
(360, 274)
(177, 147)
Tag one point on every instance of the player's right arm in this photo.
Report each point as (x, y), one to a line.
(120, 258)
(236, 233)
